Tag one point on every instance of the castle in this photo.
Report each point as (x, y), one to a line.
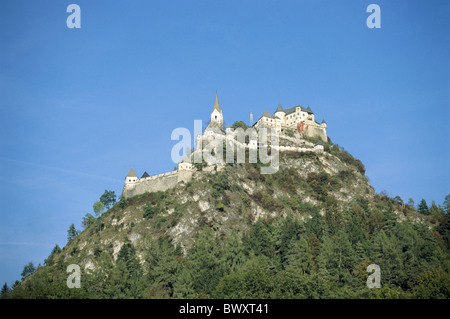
(283, 120)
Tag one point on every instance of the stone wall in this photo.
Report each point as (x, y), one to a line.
(161, 182)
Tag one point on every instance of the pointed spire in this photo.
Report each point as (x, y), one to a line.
(131, 173)
(216, 104)
(267, 114)
(279, 108)
(145, 175)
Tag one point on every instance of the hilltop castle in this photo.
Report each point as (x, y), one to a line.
(283, 120)
(293, 118)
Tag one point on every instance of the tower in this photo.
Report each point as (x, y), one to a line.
(131, 177)
(216, 115)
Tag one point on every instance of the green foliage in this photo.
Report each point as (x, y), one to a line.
(423, 207)
(98, 207)
(123, 203)
(150, 210)
(447, 204)
(28, 269)
(56, 250)
(220, 184)
(72, 233)
(433, 284)
(4, 293)
(125, 279)
(444, 230)
(240, 124)
(344, 156)
(322, 254)
(108, 199)
(220, 207)
(87, 220)
(289, 132)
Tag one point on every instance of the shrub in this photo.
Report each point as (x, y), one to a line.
(149, 211)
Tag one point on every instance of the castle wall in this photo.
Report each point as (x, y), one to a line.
(161, 182)
(317, 131)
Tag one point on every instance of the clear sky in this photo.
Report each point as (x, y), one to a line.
(80, 107)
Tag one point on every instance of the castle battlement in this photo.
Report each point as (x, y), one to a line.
(294, 118)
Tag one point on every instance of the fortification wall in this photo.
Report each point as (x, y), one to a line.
(317, 131)
(161, 182)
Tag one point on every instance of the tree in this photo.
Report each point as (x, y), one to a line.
(49, 260)
(207, 268)
(72, 233)
(125, 279)
(28, 270)
(258, 240)
(423, 207)
(108, 199)
(339, 257)
(436, 210)
(411, 202)
(434, 284)
(398, 199)
(87, 220)
(5, 291)
(163, 266)
(238, 124)
(386, 252)
(233, 256)
(314, 247)
(299, 258)
(98, 207)
(447, 203)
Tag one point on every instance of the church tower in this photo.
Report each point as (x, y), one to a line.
(216, 115)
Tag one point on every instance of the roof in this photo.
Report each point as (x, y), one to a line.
(145, 175)
(266, 114)
(323, 121)
(131, 173)
(216, 105)
(308, 109)
(319, 143)
(290, 110)
(279, 109)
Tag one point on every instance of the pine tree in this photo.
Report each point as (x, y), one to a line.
(299, 258)
(207, 268)
(125, 279)
(28, 269)
(72, 233)
(386, 253)
(4, 294)
(259, 240)
(163, 262)
(49, 260)
(340, 258)
(233, 254)
(314, 246)
(423, 207)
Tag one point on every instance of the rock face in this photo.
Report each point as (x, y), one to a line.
(226, 199)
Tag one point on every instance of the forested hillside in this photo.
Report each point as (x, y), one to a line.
(308, 231)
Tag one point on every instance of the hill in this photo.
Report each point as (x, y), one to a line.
(308, 231)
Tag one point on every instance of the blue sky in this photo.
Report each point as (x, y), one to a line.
(79, 107)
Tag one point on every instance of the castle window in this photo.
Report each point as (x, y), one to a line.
(216, 117)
